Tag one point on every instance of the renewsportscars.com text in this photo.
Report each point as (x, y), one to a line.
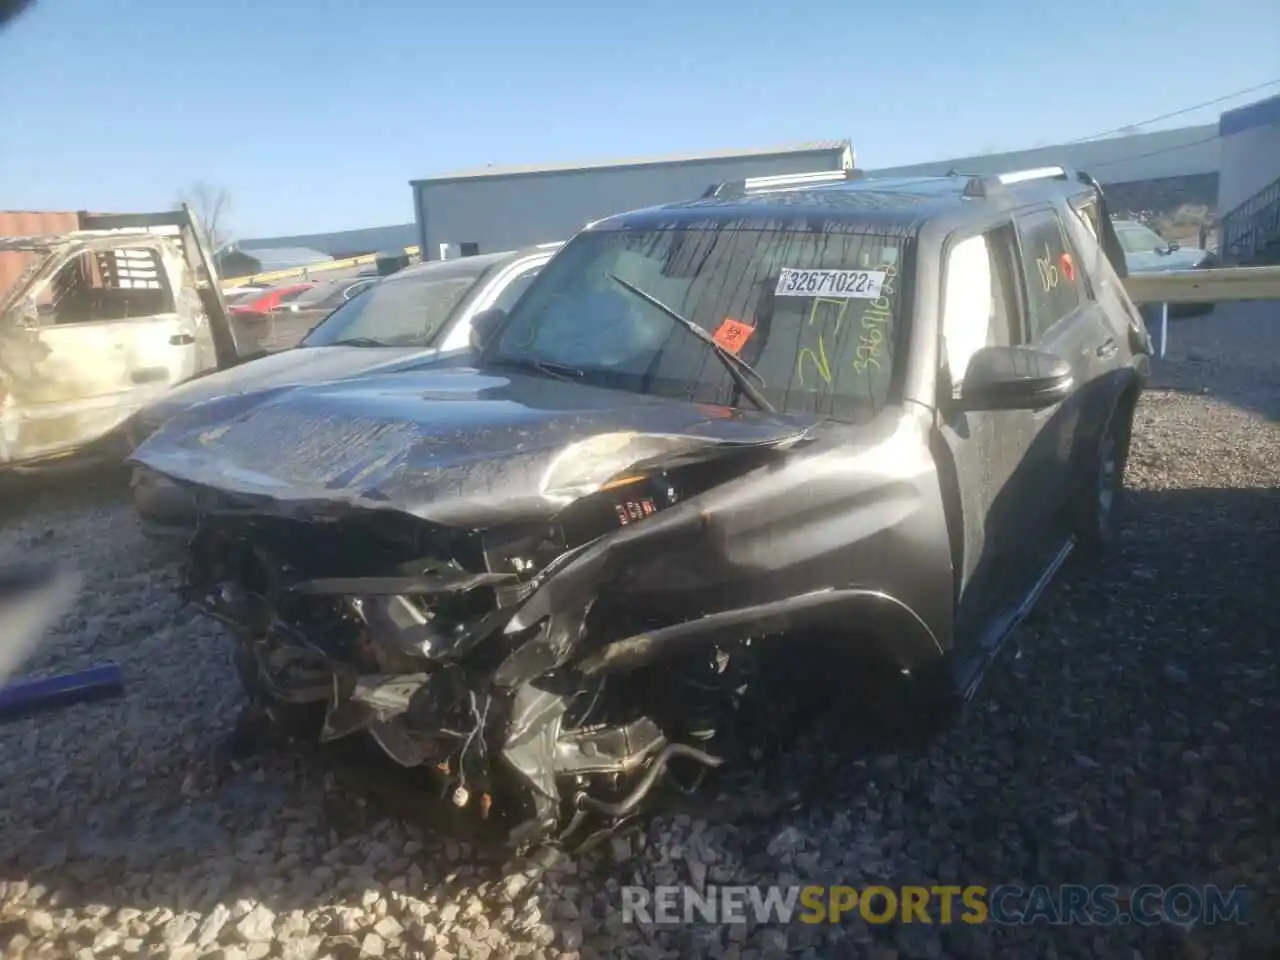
(1147, 905)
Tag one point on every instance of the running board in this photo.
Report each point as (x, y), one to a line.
(970, 673)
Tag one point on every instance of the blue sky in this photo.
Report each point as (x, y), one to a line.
(316, 115)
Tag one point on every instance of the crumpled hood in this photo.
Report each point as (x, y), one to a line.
(299, 365)
(456, 446)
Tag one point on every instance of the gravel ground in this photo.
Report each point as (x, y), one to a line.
(1133, 738)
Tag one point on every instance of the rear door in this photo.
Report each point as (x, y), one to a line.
(1064, 319)
(162, 328)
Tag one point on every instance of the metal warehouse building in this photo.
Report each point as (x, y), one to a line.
(1182, 152)
(499, 208)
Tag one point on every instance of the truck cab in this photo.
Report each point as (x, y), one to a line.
(103, 321)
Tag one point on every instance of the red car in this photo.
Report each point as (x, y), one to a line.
(261, 303)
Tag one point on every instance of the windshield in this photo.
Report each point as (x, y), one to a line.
(407, 309)
(1138, 239)
(329, 294)
(815, 314)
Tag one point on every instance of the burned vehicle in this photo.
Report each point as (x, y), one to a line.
(716, 445)
(102, 321)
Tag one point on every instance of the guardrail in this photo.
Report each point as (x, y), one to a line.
(1218, 285)
(322, 267)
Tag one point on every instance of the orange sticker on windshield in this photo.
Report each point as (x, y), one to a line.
(732, 334)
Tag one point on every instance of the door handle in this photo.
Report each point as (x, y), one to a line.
(182, 339)
(1108, 348)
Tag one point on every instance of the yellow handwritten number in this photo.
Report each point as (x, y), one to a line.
(867, 353)
(818, 358)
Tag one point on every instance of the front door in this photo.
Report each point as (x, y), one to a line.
(995, 457)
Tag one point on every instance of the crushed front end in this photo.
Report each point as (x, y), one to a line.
(401, 629)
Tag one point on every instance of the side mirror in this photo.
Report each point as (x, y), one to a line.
(1015, 378)
(1174, 245)
(484, 325)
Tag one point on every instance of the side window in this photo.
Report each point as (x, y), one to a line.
(512, 291)
(122, 284)
(1049, 271)
(980, 306)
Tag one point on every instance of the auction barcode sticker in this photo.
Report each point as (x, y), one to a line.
(848, 284)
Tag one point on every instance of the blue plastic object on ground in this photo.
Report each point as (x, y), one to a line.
(28, 697)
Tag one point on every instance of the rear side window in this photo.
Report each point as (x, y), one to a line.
(1087, 211)
(1049, 270)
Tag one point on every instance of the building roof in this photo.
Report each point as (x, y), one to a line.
(281, 257)
(816, 146)
(1260, 113)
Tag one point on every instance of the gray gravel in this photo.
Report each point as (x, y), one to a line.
(1133, 738)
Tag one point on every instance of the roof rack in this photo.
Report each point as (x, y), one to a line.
(784, 181)
(992, 184)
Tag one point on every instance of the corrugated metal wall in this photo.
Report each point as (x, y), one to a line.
(25, 223)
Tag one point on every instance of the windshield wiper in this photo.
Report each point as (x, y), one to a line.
(738, 368)
(357, 342)
(561, 371)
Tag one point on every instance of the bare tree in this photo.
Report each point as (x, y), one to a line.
(211, 204)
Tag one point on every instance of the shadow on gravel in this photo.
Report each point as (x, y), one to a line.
(24, 494)
(1132, 738)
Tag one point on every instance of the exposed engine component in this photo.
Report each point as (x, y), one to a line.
(397, 633)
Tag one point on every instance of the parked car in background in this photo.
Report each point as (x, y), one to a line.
(402, 320)
(1145, 251)
(303, 309)
(256, 307)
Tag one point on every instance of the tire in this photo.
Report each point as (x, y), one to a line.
(1101, 498)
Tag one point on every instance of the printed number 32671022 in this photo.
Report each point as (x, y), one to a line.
(852, 284)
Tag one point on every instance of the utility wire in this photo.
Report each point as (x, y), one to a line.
(1179, 113)
(1152, 153)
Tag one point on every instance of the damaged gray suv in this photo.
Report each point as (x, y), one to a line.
(717, 444)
